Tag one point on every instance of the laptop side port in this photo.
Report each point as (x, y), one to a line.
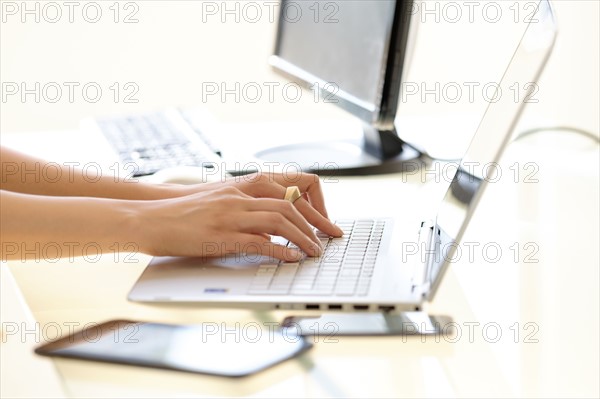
(387, 308)
(312, 306)
(361, 307)
(335, 307)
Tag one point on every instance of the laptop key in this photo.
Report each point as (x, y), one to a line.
(344, 269)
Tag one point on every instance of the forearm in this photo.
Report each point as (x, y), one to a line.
(217, 220)
(39, 227)
(28, 175)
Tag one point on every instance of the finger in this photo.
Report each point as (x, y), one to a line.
(287, 209)
(277, 191)
(307, 183)
(274, 185)
(317, 219)
(263, 187)
(275, 223)
(306, 209)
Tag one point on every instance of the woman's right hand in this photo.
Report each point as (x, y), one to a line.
(223, 221)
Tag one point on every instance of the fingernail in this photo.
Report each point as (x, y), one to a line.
(295, 254)
(340, 232)
(320, 249)
(318, 242)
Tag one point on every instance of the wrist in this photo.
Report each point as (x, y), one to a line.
(154, 191)
(149, 223)
(134, 225)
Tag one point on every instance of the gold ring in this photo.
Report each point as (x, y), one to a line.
(292, 194)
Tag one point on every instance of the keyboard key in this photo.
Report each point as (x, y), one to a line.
(154, 142)
(349, 272)
(345, 268)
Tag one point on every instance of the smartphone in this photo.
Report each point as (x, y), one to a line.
(367, 324)
(207, 348)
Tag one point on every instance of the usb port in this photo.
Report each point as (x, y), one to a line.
(335, 307)
(387, 308)
(312, 306)
(361, 307)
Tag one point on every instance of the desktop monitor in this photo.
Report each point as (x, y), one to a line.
(353, 53)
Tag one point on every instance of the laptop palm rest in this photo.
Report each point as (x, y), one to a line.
(183, 279)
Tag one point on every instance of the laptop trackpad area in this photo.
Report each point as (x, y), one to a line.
(193, 279)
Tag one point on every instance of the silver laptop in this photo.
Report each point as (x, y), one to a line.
(366, 269)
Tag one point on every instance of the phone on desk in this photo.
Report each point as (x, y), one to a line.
(328, 326)
(207, 348)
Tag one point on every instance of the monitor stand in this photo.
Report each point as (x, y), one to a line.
(379, 152)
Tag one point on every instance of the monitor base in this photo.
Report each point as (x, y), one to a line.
(344, 158)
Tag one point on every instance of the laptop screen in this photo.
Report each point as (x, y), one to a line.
(479, 165)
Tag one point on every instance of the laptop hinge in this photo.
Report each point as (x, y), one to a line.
(428, 247)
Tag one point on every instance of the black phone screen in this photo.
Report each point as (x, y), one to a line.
(208, 348)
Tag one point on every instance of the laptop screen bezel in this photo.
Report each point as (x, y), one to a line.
(441, 262)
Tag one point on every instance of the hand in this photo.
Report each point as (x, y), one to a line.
(260, 185)
(222, 219)
(311, 205)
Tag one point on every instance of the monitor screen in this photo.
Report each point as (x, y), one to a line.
(341, 48)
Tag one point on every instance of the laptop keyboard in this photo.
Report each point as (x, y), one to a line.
(153, 142)
(345, 268)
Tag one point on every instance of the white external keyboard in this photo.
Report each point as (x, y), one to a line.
(158, 140)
